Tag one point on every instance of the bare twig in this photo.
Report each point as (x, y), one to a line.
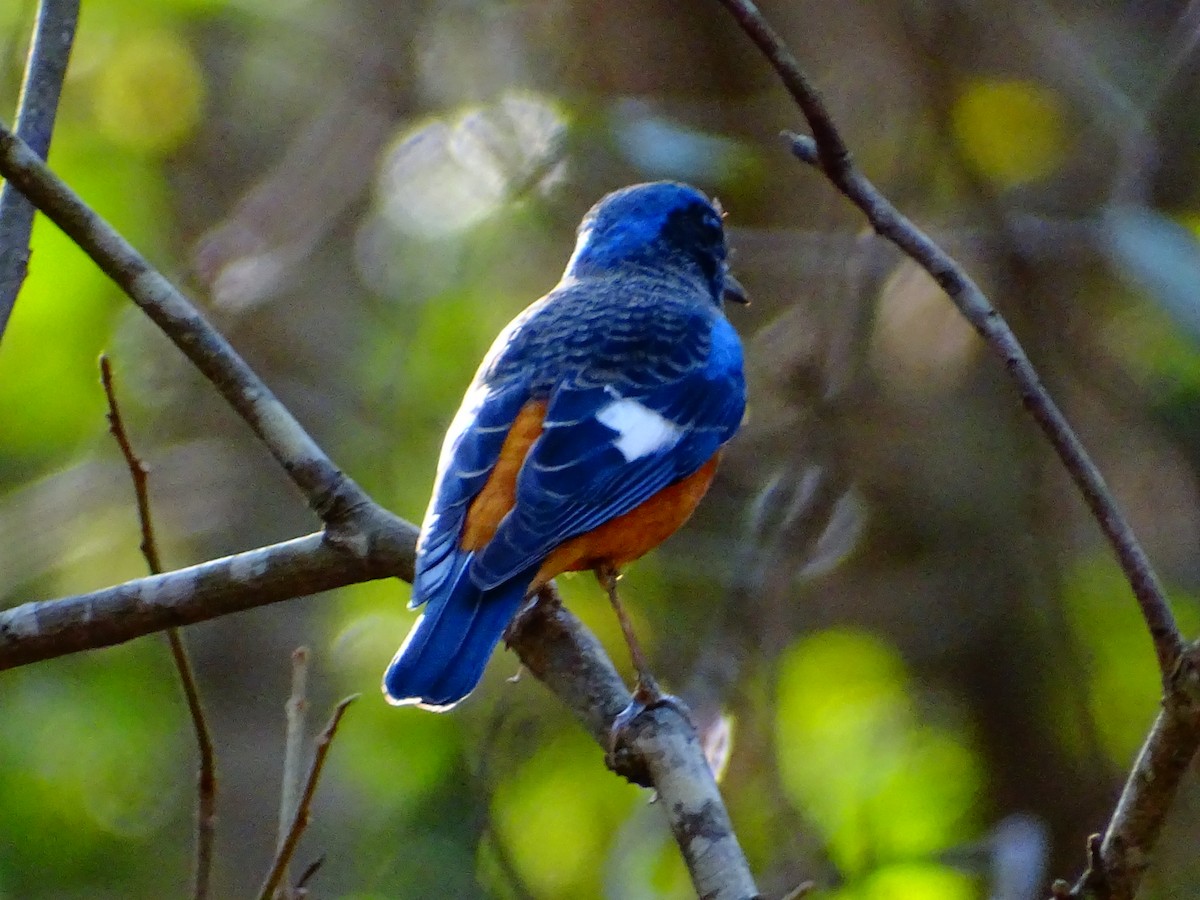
(45, 69)
(1122, 855)
(309, 871)
(137, 469)
(297, 715)
(301, 816)
(206, 779)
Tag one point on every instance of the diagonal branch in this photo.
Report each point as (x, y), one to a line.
(1122, 856)
(45, 69)
(827, 151)
(300, 816)
(340, 503)
(658, 747)
(296, 714)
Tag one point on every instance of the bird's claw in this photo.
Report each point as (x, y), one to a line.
(647, 696)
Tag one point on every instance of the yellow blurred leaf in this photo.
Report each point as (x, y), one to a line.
(1012, 131)
(557, 817)
(150, 93)
(1123, 683)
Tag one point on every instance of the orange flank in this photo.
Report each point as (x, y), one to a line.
(614, 543)
(498, 495)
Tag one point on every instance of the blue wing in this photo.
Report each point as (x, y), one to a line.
(469, 454)
(611, 441)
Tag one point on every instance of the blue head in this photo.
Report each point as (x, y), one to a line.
(662, 224)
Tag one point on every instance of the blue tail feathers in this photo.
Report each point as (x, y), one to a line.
(445, 653)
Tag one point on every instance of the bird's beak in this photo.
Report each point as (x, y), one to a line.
(734, 291)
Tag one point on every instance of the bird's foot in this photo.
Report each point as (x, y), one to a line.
(647, 696)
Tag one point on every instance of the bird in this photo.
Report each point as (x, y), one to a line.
(589, 434)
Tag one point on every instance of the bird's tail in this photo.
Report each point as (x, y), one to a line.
(445, 653)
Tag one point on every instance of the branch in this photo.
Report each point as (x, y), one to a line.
(1116, 868)
(206, 780)
(296, 711)
(827, 151)
(300, 818)
(308, 565)
(1124, 852)
(45, 69)
(340, 503)
(658, 747)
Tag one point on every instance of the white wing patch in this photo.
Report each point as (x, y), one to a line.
(641, 431)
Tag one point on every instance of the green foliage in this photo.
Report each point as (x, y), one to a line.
(558, 815)
(1123, 683)
(91, 750)
(883, 786)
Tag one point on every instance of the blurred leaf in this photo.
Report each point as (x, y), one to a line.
(558, 814)
(445, 176)
(49, 388)
(855, 757)
(149, 92)
(397, 756)
(1012, 131)
(661, 147)
(913, 881)
(93, 747)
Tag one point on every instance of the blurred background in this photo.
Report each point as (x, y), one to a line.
(893, 603)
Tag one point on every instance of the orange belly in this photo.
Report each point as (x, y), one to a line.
(615, 543)
(633, 534)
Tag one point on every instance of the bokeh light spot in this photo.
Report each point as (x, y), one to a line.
(1011, 130)
(150, 93)
(445, 176)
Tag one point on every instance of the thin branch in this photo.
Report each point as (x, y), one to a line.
(307, 565)
(978, 310)
(296, 710)
(206, 780)
(137, 469)
(206, 777)
(340, 503)
(827, 151)
(309, 871)
(1122, 855)
(45, 69)
(301, 817)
